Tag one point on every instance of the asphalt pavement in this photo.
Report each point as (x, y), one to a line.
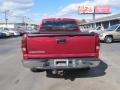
(13, 76)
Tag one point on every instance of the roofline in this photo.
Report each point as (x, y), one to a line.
(18, 23)
(58, 19)
(114, 17)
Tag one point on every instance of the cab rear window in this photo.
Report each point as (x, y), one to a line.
(59, 25)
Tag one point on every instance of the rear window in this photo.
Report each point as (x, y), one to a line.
(59, 25)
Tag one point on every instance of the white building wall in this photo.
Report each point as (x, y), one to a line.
(8, 26)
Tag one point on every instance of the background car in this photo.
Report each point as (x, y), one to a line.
(2, 35)
(21, 31)
(6, 32)
(97, 30)
(29, 31)
(111, 34)
(14, 32)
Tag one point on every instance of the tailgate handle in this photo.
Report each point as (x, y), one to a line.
(61, 41)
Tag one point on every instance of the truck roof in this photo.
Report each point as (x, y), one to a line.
(66, 19)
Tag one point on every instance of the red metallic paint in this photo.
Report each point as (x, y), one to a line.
(47, 47)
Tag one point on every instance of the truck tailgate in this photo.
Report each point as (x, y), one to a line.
(61, 46)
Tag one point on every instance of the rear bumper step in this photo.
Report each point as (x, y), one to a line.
(69, 64)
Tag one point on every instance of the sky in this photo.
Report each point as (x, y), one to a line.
(34, 10)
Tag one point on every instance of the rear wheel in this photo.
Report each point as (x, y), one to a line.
(108, 39)
(87, 69)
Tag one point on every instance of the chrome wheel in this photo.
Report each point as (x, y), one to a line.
(108, 39)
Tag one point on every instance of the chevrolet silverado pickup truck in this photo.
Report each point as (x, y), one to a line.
(59, 45)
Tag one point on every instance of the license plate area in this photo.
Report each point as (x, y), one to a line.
(60, 62)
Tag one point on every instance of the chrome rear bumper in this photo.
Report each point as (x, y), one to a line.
(72, 63)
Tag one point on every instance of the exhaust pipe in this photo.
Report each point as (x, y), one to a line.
(54, 72)
(60, 72)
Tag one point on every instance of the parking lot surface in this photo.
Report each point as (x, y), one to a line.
(13, 76)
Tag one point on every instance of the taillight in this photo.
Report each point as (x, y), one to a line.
(97, 45)
(24, 47)
(24, 44)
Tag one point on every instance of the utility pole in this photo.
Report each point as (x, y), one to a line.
(94, 17)
(24, 23)
(29, 22)
(94, 14)
(6, 19)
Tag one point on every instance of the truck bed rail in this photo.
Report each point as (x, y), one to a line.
(60, 34)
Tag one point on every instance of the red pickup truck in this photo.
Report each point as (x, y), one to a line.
(60, 45)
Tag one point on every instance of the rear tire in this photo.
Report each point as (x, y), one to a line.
(36, 70)
(49, 73)
(108, 39)
(86, 69)
(33, 69)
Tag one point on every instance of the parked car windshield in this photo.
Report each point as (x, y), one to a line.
(112, 28)
(59, 25)
(98, 28)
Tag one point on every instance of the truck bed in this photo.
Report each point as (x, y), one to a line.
(56, 49)
(61, 45)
